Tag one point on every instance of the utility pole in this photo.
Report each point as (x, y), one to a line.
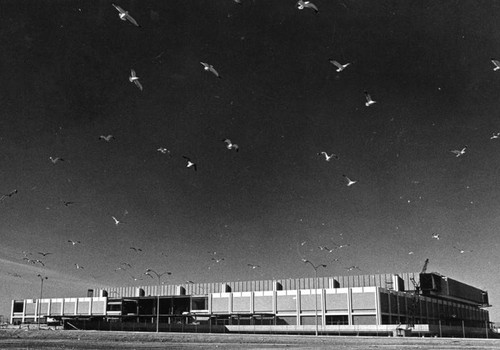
(158, 275)
(41, 296)
(315, 267)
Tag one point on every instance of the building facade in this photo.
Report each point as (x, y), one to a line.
(423, 304)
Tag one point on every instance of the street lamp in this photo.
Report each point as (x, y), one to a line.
(158, 275)
(315, 267)
(41, 296)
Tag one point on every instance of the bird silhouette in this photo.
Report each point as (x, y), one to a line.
(306, 4)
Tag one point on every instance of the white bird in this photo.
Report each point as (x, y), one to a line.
(436, 236)
(124, 16)
(462, 251)
(210, 68)
(231, 145)
(163, 150)
(328, 157)
(74, 242)
(190, 163)
(79, 267)
(106, 138)
(55, 160)
(369, 100)
(253, 266)
(325, 248)
(459, 153)
(133, 78)
(350, 268)
(116, 220)
(496, 63)
(306, 4)
(349, 181)
(495, 135)
(340, 67)
(218, 260)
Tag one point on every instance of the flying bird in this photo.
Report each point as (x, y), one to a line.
(79, 267)
(190, 163)
(328, 157)
(163, 150)
(218, 260)
(55, 160)
(325, 248)
(133, 78)
(340, 67)
(495, 135)
(462, 251)
(136, 249)
(44, 254)
(116, 220)
(253, 266)
(34, 261)
(124, 16)
(349, 181)
(350, 268)
(209, 68)
(68, 203)
(231, 145)
(13, 192)
(369, 100)
(458, 153)
(107, 138)
(306, 4)
(74, 242)
(436, 236)
(496, 63)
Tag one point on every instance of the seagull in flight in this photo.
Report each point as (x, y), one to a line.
(10, 194)
(253, 266)
(328, 157)
(68, 203)
(340, 67)
(436, 236)
(218, 260)
(325, 248)
(116, 220)
(459, 153)
(107, 138)
(136, 249)
(190, 163)
(124, 16)
(210, 68)
(231, 145)
(79, 267)
(496, 63)
(369, 100)
(163, 150)
(306, 4)
(349, 181)
(133, 78)
(353, 267)
(74, 242)
(55, 160)
(462, 251)
(495, 135)
(44, 254)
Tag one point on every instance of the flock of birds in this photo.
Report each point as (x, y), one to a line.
(35, 258)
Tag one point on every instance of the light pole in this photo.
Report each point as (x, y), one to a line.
(158, 275)
(41, 296)
(315, 267)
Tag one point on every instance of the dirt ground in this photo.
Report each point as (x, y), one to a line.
(65, 339)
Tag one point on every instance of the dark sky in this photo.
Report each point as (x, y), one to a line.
(65, 68)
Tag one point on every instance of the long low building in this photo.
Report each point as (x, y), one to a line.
(407, 303)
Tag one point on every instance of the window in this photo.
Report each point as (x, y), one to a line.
(18, 306)
(199, 303)
(337, 320)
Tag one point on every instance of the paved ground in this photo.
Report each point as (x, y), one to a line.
(64, 339)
